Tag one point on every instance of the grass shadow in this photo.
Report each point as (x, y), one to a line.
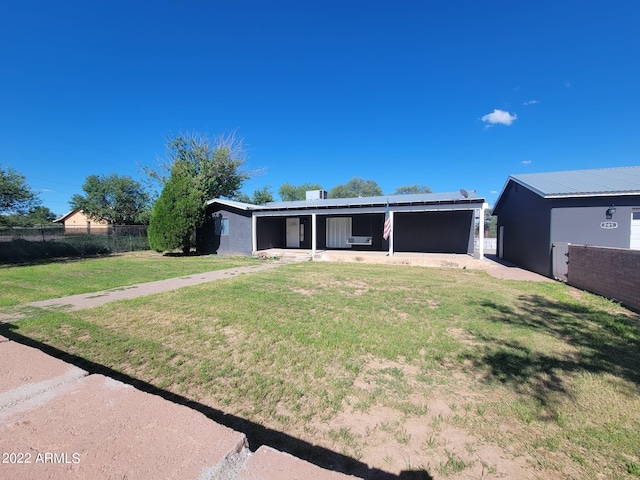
(192, 253)
(257, 435)
(28, 262)
(601, 342)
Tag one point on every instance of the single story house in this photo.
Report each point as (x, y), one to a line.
(431, 222)
(77, 222)
(540, 212)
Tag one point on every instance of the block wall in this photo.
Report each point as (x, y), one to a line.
(610, 272)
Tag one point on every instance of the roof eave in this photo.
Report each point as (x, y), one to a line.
(591, 194)
(234, 204)
(334, 206)
(66, 215)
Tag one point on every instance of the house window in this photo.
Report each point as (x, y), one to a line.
(221, 226)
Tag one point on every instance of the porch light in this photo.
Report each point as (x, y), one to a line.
(610, 211)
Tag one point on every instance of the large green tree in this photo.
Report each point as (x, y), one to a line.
(218, 164)
(259, 197)
(118, 200)
(415, 188)
(16, 197)
(490, 224)
(290, 193)
(37, 215)
(198, 170)
(356, 187)
(177, 213)
(40, 215)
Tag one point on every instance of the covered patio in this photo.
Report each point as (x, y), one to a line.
(444, 223)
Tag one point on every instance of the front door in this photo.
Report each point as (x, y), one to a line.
(293, 233)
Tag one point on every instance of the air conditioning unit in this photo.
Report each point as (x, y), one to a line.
(316, 194)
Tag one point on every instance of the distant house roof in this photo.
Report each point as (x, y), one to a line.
(412, 199)
(65, 216)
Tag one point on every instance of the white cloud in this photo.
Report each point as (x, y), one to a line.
(531, 102)
(525, 162)
(493, 192)
(499, 117)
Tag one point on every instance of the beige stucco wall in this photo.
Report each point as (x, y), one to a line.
(78, 222)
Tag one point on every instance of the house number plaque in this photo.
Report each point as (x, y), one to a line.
(609, 225)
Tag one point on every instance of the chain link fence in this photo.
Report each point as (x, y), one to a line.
(27, 244)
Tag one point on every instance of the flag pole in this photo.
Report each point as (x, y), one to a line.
(387, 231)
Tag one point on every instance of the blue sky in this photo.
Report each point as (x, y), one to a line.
(450, 94)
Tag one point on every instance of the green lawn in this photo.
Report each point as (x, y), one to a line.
(22, 284)
(449, 371)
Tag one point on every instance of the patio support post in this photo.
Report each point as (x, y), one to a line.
(313, 235)
(254, 233)
(481, 234)
(392, 234)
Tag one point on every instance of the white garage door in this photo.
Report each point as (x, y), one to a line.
(634, 243)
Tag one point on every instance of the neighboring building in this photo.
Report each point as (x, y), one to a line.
(599, 207)
(76, 222)
(433, 223)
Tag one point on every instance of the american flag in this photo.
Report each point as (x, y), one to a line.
(386, 232)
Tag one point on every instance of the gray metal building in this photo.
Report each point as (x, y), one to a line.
(430, 223)
(599, 207)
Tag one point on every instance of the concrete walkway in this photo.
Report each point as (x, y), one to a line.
(94, 299)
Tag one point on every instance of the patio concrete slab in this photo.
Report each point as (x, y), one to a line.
(489, 262)
(270, 464)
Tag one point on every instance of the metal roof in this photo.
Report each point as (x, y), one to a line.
(233, 203)
(582, 183)
(412, 199)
